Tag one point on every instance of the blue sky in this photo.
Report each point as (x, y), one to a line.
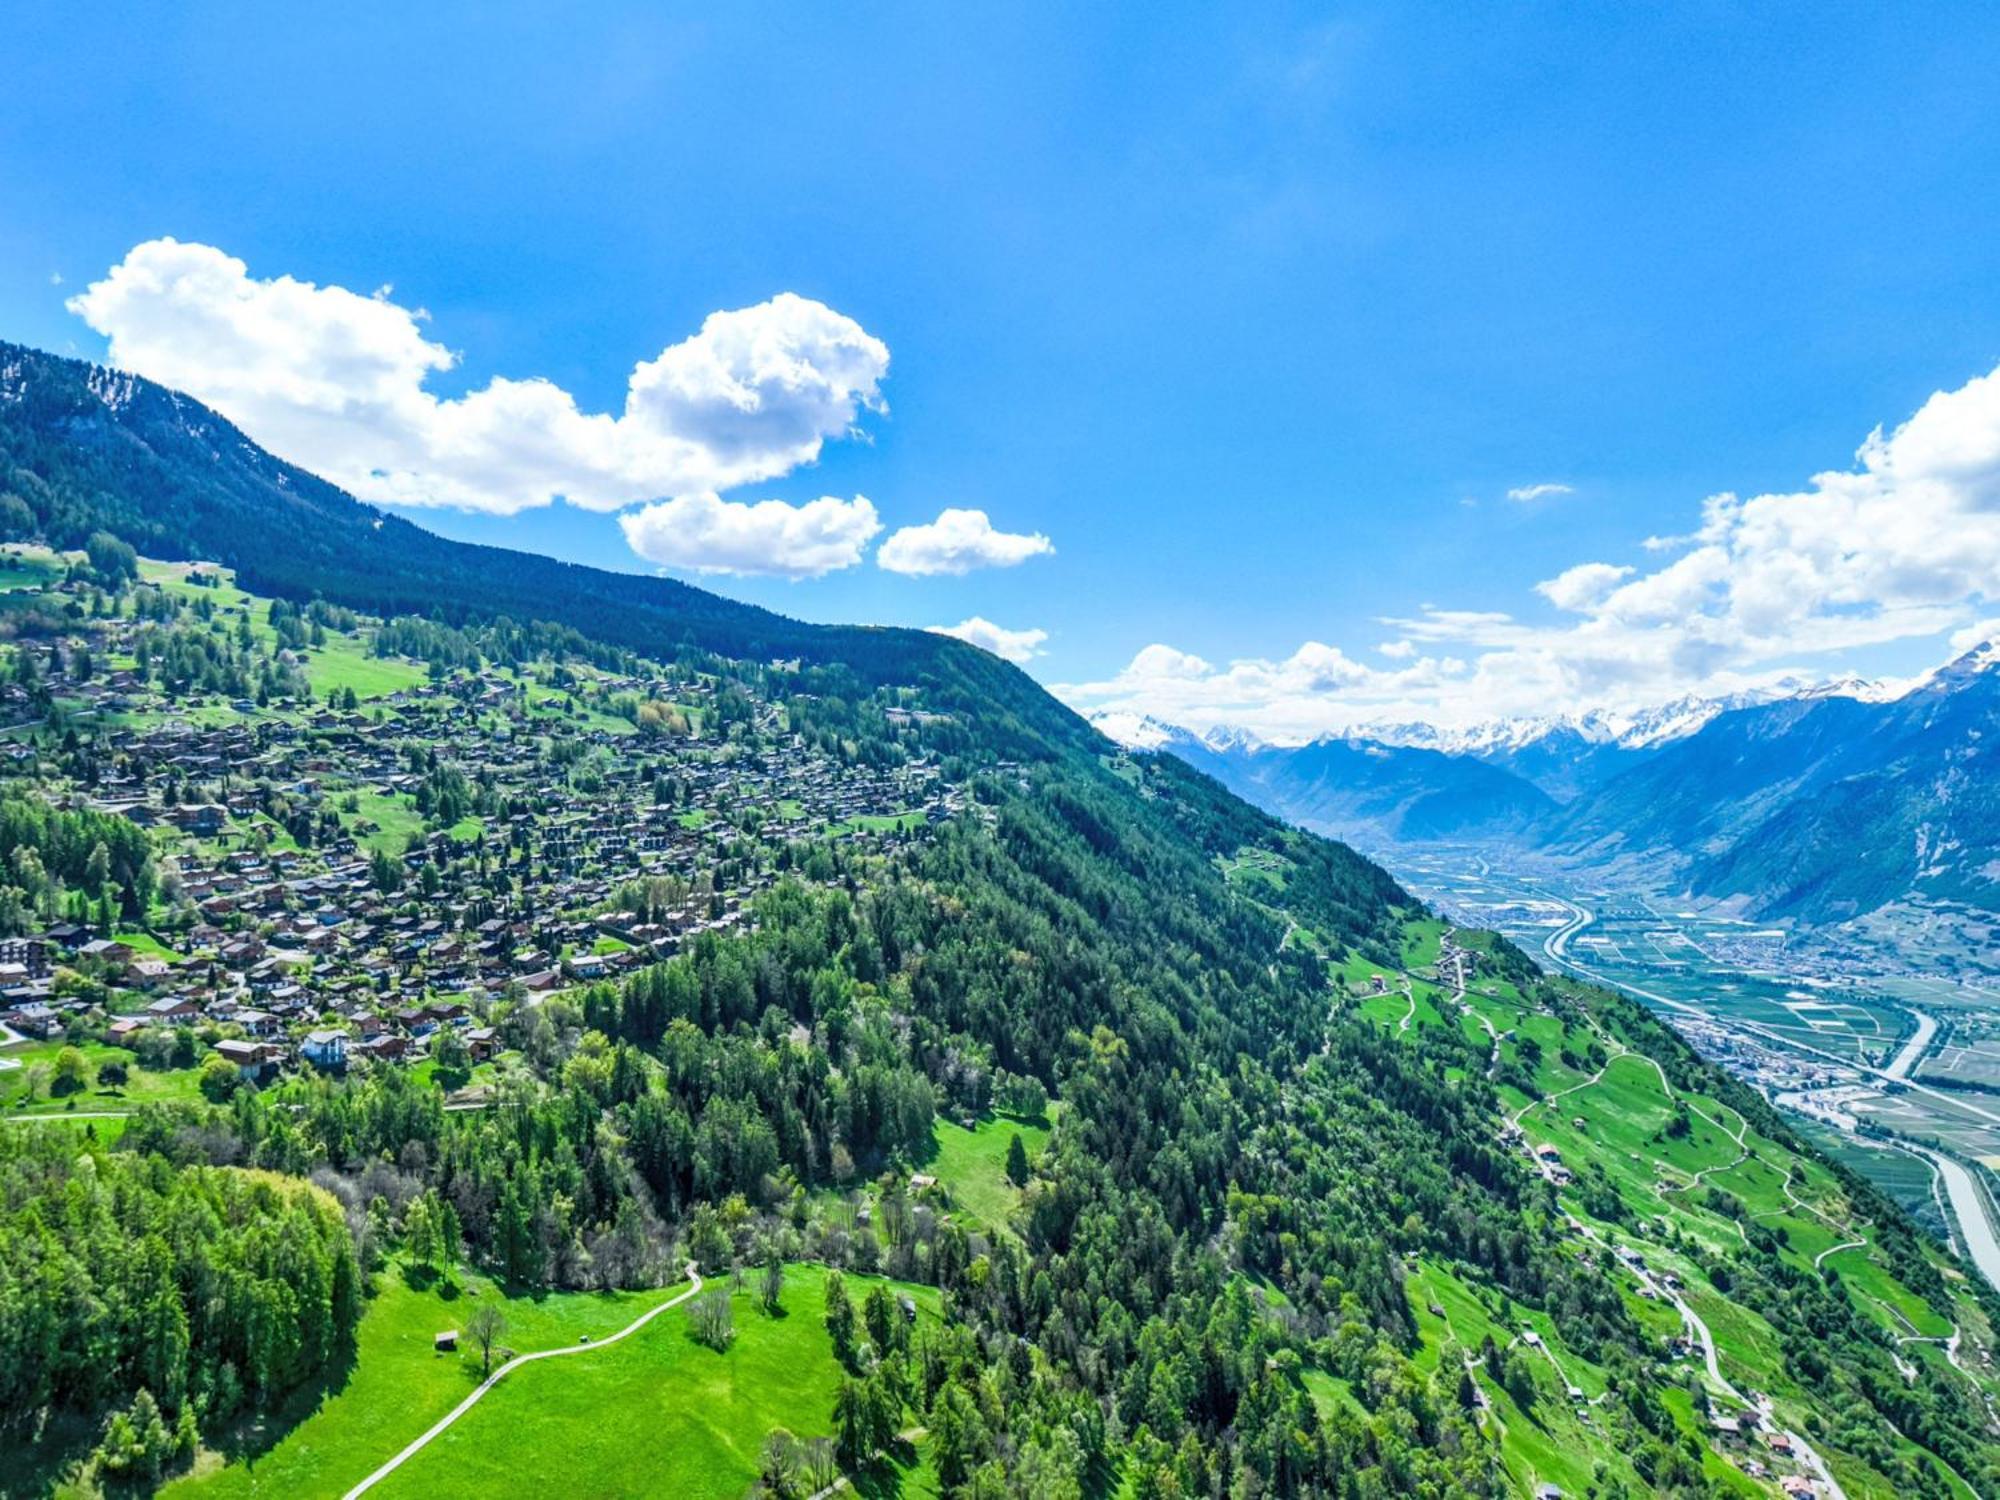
(1257, 314)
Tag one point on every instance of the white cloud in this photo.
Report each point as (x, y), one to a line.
(710, 535)
(1017, 646)
(335, 381)
(1902, 547)
(1398, 650)
(1581, 586)
(1316, 690)
(1543, 491)
(957, 542)
(1978, 633)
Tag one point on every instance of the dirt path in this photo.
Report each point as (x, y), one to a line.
(509, 1368)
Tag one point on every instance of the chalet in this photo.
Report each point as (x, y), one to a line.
(252, 1059)
(35, 1018)
(107, 951)
(203, 819)
(325, 1049)
(172, 1008)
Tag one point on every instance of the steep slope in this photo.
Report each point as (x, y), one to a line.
(93, 449)
(1820, 806)
(1923, 820)
(1284, 1238)
(1699, 794)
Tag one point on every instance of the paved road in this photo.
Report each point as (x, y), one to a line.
(509, 1368)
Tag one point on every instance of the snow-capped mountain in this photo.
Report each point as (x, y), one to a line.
(1817, 801)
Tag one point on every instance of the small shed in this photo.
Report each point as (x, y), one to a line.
(446, 1342)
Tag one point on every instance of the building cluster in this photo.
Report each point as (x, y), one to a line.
(346, 881)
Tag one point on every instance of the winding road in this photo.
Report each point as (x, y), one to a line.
(438, 1427)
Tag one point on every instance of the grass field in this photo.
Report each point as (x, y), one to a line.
(345, 662)
(142, 1085)
(971, 1165)
(657, 1414)
(147, 946)
(396, 821)
(330, 1438)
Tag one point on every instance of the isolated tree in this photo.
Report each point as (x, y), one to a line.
(773, 1287)
(486, 1325)
(779, 1468)
(878, 1310)
(72, 1072)
(1017, 1161)
(219, 1079)
(713, 1319)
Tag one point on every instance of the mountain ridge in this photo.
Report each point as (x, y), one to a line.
(93, 448)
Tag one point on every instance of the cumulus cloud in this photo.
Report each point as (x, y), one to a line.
(707, 534)
(1543, 491)
(1581, 586)
(1017, 646)
(957, 542)
(335, 381)
(1901, 547)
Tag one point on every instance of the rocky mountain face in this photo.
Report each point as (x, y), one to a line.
(1818, 803)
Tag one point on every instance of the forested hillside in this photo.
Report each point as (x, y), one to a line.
(90, 450)
(1321, 1200)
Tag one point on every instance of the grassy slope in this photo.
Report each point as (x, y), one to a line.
(1624, 1108)
(142, 1085)
(654, 1414)
(971, 1165)
(330, 1440)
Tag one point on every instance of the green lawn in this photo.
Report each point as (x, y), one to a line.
(345, 662)
(971, 1165)
(397, 822)
(656, 1414)
(901, 822)
(147, 946)
(330, 1440)
(142, 1085)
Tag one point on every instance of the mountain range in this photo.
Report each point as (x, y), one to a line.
(1279, 1214)
(1819, 803)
